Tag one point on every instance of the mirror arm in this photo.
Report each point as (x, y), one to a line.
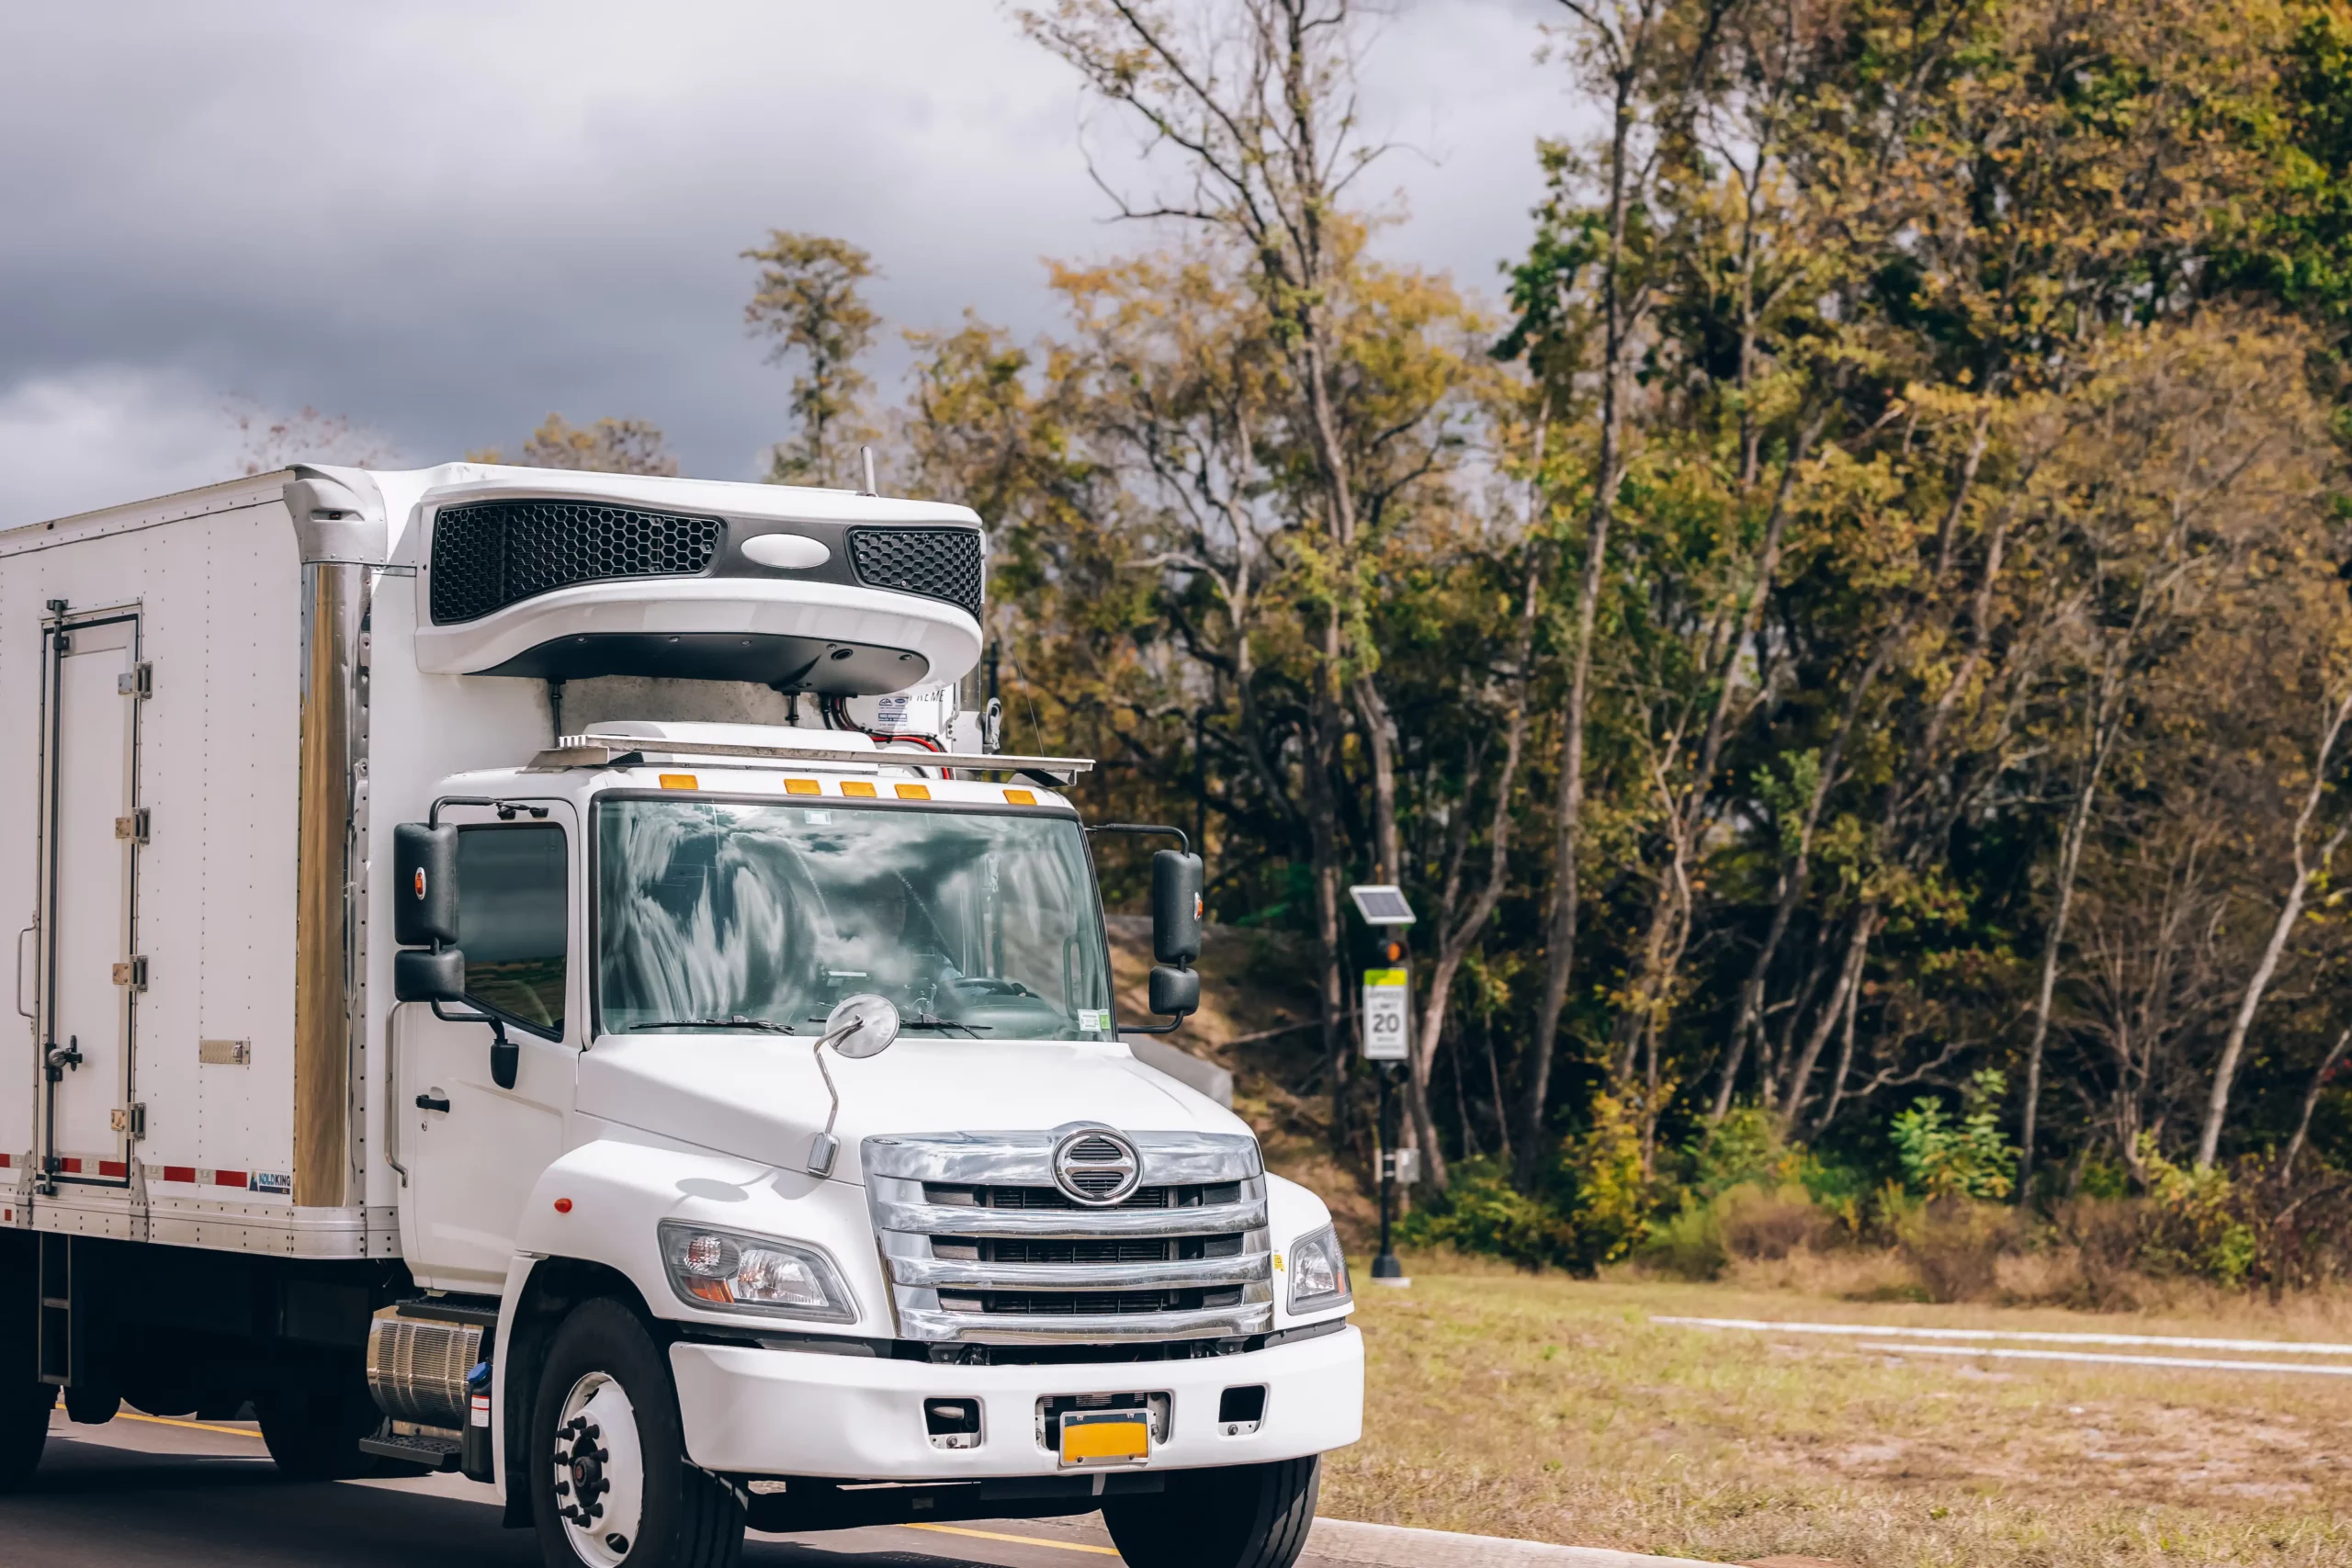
(505, 1057)
(1182, 842)
(433, 818)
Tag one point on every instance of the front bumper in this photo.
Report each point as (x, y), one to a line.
(755, 1412)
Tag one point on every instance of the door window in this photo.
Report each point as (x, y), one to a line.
(513, 919)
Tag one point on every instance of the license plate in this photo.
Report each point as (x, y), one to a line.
(1105, 1436)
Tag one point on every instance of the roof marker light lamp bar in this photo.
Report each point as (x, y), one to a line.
(592, 750)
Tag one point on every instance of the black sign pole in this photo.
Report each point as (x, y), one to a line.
(1384, 1266)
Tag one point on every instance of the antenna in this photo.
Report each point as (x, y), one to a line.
(867, 453)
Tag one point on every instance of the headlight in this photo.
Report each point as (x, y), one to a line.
(711, 1267)
(1318, 1273)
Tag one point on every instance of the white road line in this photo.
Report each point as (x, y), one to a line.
(2198, 1363)
(2273, 1347)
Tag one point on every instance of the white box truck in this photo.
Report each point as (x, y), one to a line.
(540, 974)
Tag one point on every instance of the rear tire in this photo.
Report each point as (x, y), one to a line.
(605, 1426)
(1249, 1515)
(313, 1434)
(25, 1405)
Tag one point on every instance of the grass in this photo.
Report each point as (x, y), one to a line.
(1551, 1408)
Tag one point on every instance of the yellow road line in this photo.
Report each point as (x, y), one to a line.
(191, 1425)
(1023, 1539)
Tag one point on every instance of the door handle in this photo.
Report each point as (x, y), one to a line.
(21, 970)
(62, 1060)
(432, 1103)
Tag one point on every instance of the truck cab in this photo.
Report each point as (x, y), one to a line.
(738, 1122)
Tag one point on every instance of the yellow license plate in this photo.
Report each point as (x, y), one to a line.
(1090, 1438)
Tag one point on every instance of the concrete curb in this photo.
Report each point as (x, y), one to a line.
(1339, 1542)
(1344, 1543)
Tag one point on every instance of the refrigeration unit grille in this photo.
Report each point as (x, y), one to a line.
(489, 554)
(938, 563)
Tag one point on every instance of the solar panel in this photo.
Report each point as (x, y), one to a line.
(1382, 906)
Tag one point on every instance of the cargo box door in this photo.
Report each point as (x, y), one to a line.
(91, 971)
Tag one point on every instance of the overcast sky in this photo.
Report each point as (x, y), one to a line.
(445, 221)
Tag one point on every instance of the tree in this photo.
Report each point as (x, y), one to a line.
(269, 442)
(607, 447)
(809, 302)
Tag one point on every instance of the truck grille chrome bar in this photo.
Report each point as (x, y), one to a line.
(982, 1245)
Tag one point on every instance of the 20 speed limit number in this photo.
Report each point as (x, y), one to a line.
(1386, 1015)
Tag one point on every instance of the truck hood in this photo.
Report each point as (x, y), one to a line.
(760, 1097)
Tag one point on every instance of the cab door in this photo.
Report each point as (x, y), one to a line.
(479, 1146)
(91, 830)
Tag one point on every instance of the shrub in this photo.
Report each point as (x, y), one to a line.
(1943, 1158)
(1611, 1200)
(1954, 1245)
(1689, 1243)
(1761, 1224)
(1481, 1211)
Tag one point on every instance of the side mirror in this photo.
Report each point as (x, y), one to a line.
(429, 976)
(1175, 910)
(1174, 992)
(424, 887)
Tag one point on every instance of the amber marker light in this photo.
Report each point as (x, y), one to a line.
(1020, 797)
(857, 789)
(801, 786)
(914, 792)
(680, 781)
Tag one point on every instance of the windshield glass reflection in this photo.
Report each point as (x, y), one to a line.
(714, 913)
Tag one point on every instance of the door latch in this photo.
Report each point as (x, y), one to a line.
(132, 972)
(133, 827)
(65, 1060)
(139, 681)
(130, 1119)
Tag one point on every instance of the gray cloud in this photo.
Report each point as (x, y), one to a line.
(445, 221)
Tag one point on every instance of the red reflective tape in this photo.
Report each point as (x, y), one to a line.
(71, 1167)
(113, 1167)
(6, 1160)
(228, 1178)
(179, 1173)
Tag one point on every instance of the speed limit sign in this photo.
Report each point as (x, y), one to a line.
(1387, 1015)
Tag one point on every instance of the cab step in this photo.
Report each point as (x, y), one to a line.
(435, 1454)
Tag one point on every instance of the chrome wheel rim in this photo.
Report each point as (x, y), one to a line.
(599, 1472)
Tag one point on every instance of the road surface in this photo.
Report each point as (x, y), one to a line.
(138, 1492)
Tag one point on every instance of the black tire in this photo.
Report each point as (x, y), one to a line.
(25, 1405)
(313, 1434)
(690, 1518)
(1248, 1516)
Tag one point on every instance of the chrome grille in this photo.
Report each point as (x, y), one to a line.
(982, 1248)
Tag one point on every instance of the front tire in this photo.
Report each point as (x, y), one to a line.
(610, 1481)
(1249, 1515)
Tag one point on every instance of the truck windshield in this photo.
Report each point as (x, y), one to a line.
(723, 914)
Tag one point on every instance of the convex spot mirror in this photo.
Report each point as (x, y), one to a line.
(1174, 993)
(437, 975)
(863, 1025)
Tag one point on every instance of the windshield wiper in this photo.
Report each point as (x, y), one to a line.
(766, 1026)
(931, 1020)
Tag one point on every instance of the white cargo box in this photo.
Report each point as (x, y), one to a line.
(221, 702)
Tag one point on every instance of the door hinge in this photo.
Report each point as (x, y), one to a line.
(130, 1119)
(133, 827)
(139, 681)
(132, 972)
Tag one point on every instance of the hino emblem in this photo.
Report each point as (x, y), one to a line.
(1096, 1165)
